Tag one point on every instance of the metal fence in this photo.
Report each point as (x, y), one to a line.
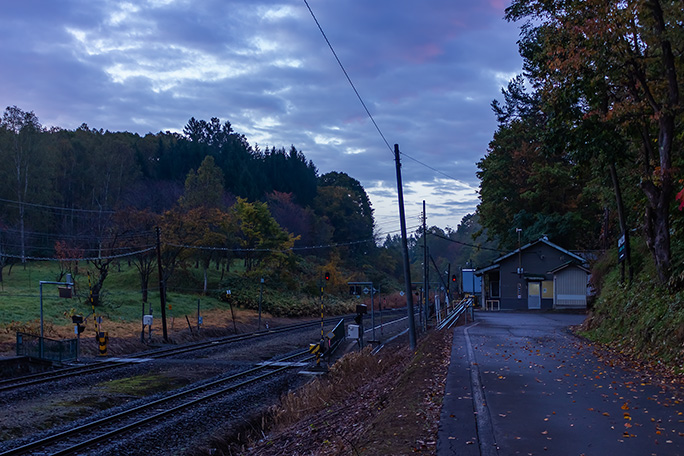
(49, 349)
(338, 335)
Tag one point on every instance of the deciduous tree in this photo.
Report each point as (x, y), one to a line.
(628, 55)
(19, 132)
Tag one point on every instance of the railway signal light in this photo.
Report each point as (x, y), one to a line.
(327, 276)
(361, 309)
(453, 278)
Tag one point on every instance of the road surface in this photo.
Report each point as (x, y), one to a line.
(522, 384)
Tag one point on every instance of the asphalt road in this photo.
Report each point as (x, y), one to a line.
(522, 384)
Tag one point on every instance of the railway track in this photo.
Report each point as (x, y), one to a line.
(34, 379)
(82, 437)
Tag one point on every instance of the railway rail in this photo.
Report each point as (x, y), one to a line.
(34, 379)
(87, 435)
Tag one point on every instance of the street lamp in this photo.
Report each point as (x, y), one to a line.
(69, 283)
(520, 268)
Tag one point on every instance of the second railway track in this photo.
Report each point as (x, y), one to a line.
(127, 421)
(34, 379)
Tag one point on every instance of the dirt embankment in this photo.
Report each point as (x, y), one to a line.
(373, 405)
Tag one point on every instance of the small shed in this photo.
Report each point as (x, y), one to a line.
(539, 275)
(570, 286)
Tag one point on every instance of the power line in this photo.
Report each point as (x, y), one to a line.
(103, 257)
(430, 167)
(364, 104)
(59, 208)
(241, 250)
(348, 78)
(479, 247)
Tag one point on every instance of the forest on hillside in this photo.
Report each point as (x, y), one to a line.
(95, 197)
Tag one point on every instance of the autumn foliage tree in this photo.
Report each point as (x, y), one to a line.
(623, 60)
(68, 258)
(263, 243)
(531, 184)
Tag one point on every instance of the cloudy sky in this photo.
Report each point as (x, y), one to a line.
(426, 70)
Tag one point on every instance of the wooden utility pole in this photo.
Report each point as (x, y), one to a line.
(162, 287)
(426, 270)
(448, 281)
(404, 245)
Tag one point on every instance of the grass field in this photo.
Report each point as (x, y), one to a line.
(121, 296)
(122, 307)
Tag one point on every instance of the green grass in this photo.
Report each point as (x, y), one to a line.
(122, 299)
(644, 319)
(20, 293)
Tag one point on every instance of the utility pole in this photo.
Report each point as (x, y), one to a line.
(261, 297)
(162, 287)
(426, 269)
(372, 292)
(404, 246)
(448, 281)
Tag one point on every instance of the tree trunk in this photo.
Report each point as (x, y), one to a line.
(659, 196)
(659, 193)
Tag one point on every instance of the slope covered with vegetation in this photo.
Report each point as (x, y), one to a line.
(589, 152)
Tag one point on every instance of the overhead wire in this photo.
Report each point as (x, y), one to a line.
(191, 247)
(101, 257)
(479, 247)
(60, 208)
(358, 95)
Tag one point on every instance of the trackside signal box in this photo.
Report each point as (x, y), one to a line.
(352, 331)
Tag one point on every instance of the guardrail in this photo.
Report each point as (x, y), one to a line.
(459, 309)
(48, 349)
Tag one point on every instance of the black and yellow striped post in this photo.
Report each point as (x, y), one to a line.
(102, 339)
(316, 349)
